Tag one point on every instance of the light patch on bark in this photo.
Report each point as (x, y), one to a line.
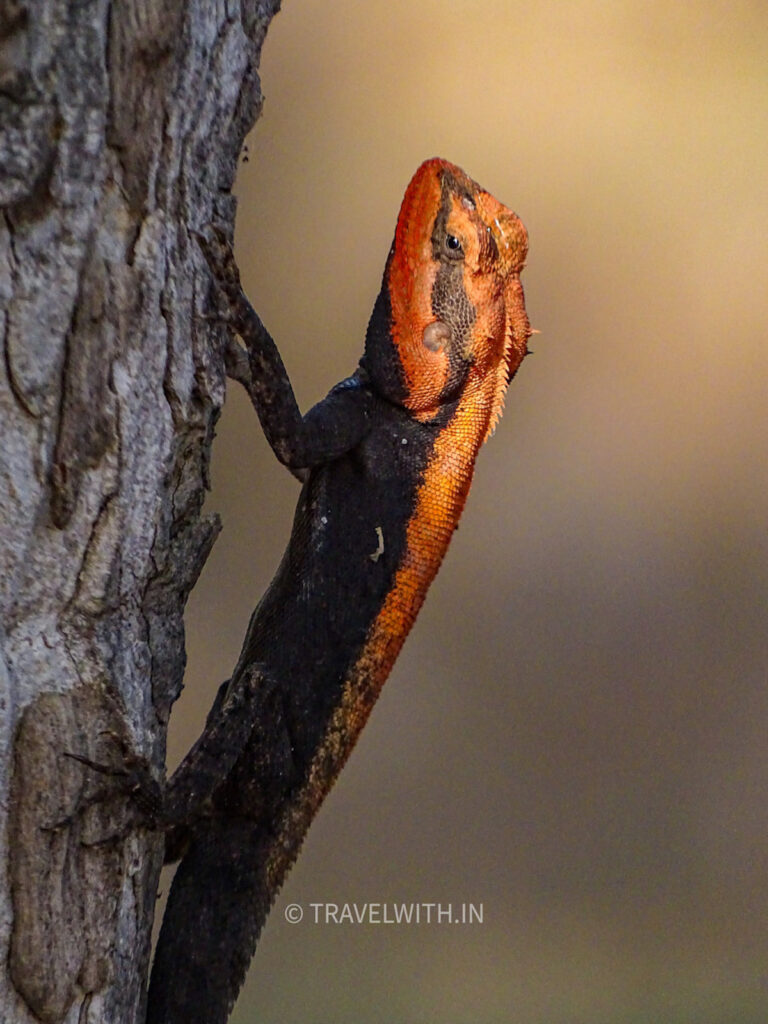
(120, 129)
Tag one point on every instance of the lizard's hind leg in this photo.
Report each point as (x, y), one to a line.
(225, 884)
(208, 764)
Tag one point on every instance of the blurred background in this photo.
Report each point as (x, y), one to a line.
(575, 735)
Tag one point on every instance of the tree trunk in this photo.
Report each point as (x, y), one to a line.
(120, 128)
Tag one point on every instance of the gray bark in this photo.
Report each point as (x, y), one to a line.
(120, 128)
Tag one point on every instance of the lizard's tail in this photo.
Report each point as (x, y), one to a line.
(216, 909)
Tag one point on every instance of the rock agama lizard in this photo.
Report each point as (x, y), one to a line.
(386, 461)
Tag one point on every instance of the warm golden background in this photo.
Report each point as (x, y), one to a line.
(575, 735)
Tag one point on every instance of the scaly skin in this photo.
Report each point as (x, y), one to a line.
(387, 461)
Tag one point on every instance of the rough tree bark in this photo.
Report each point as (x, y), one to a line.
(121, 122)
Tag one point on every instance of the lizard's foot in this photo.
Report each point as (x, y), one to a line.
(229, 297)
(128, 777)
(220, 257)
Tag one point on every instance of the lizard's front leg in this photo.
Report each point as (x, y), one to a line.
(330, 429)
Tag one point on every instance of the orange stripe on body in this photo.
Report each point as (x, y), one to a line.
(439, 504)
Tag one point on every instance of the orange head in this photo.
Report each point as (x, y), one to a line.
(451, 315)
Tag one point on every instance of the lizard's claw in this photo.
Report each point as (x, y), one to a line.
(229, 298)
(217, 249)
(131, 778)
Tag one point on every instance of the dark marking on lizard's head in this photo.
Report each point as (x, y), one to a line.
(450, 315)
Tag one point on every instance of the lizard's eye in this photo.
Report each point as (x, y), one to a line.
(453, 245)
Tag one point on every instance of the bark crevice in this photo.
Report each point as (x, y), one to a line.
(120, 131)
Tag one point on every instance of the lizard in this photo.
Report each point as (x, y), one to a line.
(386, 461)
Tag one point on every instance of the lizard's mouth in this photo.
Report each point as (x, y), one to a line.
(508, 232)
